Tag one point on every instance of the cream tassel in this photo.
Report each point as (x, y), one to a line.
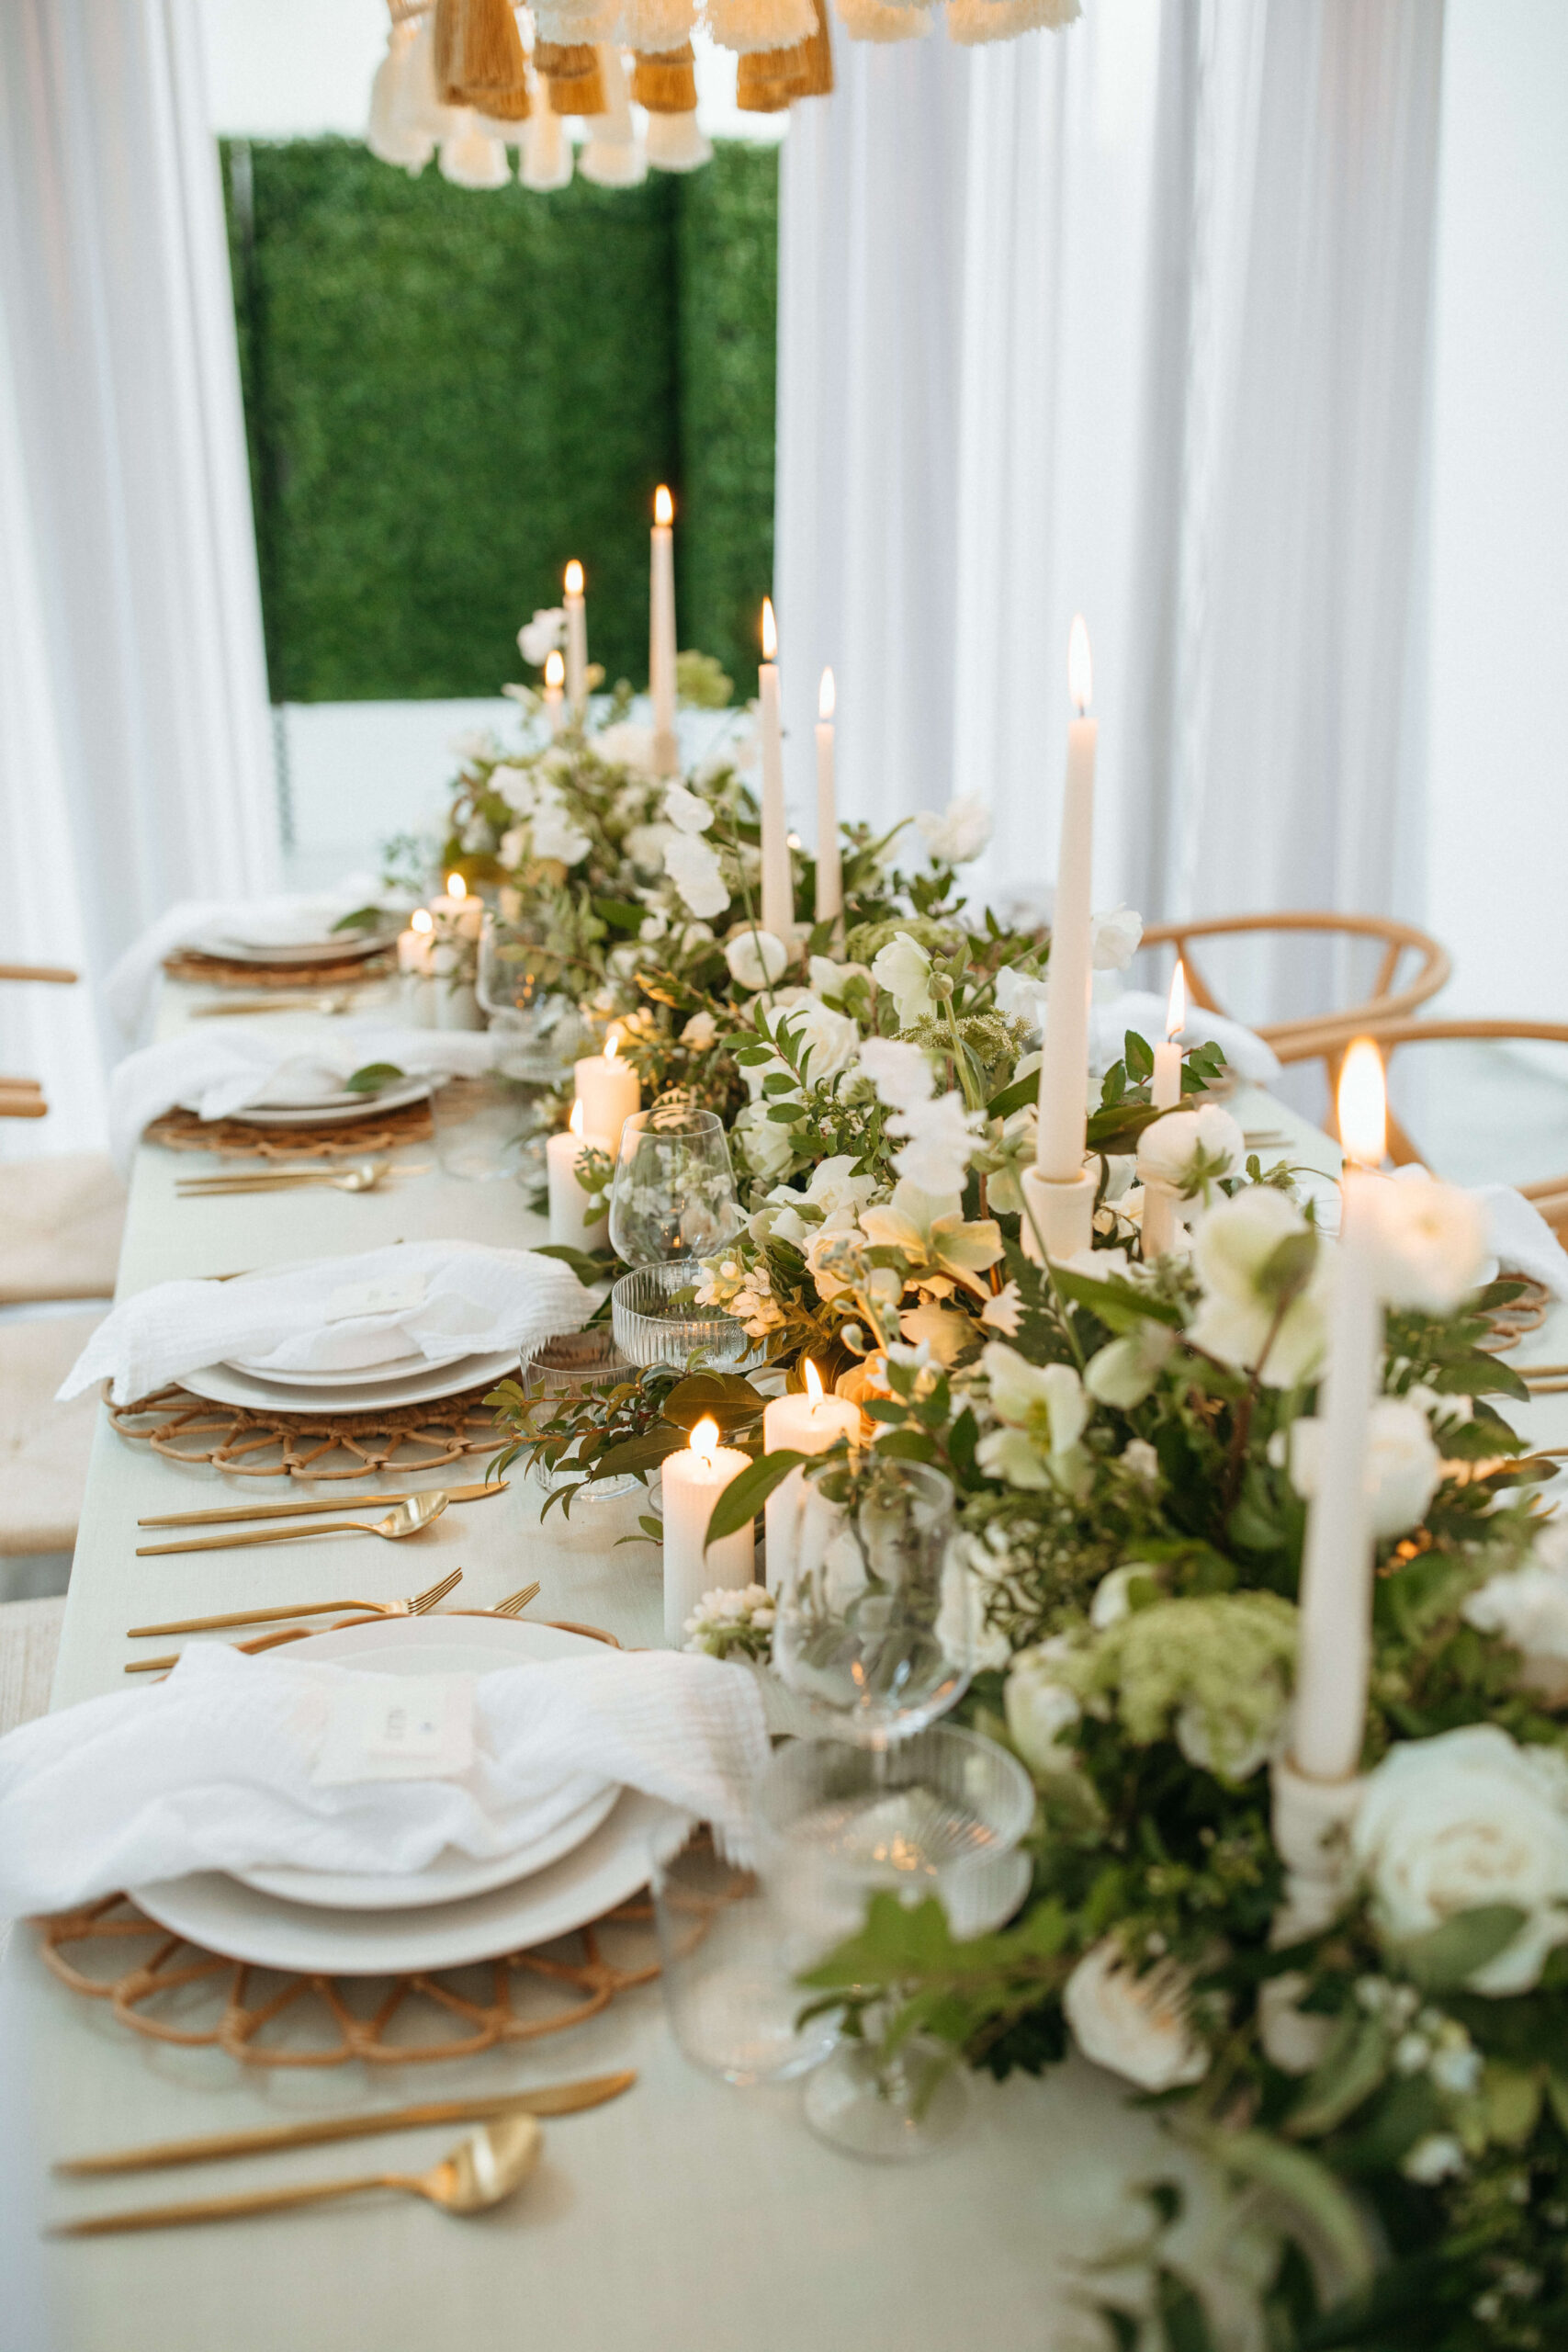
(675, 143)
(545, 164)
(473, 158)
(390, 135)
(416, 112)
(972, 22)
(614, 156)
(571, 69)
(566, 22)
(874, 20)
(479, 58)
(665, 82)
(655, 25)
(768, 80)
(746, 25)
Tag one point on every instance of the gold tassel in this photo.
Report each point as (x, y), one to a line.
(768, 80)
(665, 82)
(479, 58)
(571, 69)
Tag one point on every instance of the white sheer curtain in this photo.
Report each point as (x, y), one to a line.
(135, 763)
(1134, 319)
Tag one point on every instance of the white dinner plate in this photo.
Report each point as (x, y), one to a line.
(332, 1110)
(221, 1384)
(336, 947)
(467, 1646)
(218, 1911)
(365, 1375)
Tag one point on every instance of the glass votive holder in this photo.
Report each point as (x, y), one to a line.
(485, 1127)
(656, 1320)
(559, 1374)
(725, 1970)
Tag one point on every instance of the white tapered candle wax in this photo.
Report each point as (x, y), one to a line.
(576, 640)
(661, 636)
(778, 889)
(1064, 1065)
(830, 873)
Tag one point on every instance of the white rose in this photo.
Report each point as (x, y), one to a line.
(959, 834)
(544, 635)
(831, 979)
(1116, 937)
(1040, 1709)
(1527, 1607)
(700, 1032)
(625, 745)
(1293, 2039)
(1404, 1468)
(756, 959)
(686, 811)
(831, 1039)
(556, 832)
(1113, 1594)
(1450, 1823)
(904, 970)
(1134, 2025)
(645, 845)
(692, 865)
(1431, 1243)
(1170, 1149)
(517, 787)
(1232, 1243)
(765, 1142)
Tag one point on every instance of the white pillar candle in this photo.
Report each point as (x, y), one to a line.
(1159, 1200)
(415, 944)
(572, 1228)
(456, 912)
(576, 640)
(607, 1087)
(829, 877)
(554, 692)
(1334, 1648)
(692, 1483)
(661, 636)
(804, 1424)
(778, 889)
(1064, 1065)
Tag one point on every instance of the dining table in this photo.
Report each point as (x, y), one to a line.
(688, 2213)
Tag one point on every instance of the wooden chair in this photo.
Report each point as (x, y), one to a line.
(1386, 1002)
(22, 1098)
(1330, 1041)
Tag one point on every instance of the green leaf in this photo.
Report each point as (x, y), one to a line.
(1287, 1267)
(362, 918)
(1139, 1056)
(621, 915)
(587, 1270)
(1181, 2314)
(1118, 1306)
(1447, 1957)
(1348, 2074)
(643, 1453)
(727, 1397)
(372, 1078)
(1304, 2183)
(1016, 1097)
(907, 1445)
(744, 1496)
(1512, 2097)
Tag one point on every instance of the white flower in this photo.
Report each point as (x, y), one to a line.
(940, 1136)
(1466, 1819)
(1430, 1241)
(831, 1039)
(835, 1190)
(514, 846)
(962, 1633)
(756, 959)
(1022, 998)
(900, 1072)
(1040, 1709)
(1004, 1312)
(625, 745)
(765, 1142)
(1116, 937)
(517, 787)
(941, 1332)
(831, 979)
(1191, 1149)
(556, 832)
(1126, 1369)
(473, 743)
(1232, 1244)
(686, 811)
(1437, 2156)
(1293, 2039)
(1134, 2025)
(903, 969)
(1113, 1594)
(1234, 1755)
(1404, 1468)
(700, 1032)
(958, 835)
(544, 635)
(1528, 1607)
(645, 845)
(692, 865)
(1139, 1458)
(1044, 1409)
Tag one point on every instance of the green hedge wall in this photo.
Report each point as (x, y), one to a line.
(449, 392)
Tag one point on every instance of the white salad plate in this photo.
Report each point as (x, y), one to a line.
(335, 948)
(364, 1375)
(221, 1384)
(335, 1109)
(610, 1865)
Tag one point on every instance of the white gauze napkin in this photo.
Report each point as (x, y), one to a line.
(217, 1769)
(221, 1070)
(437, 1299)
(1142, 1011)
(290, 919)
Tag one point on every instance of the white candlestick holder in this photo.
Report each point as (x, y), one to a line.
(1312, 1822)
(1058, 1216)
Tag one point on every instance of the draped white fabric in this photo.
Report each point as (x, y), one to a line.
(1134, 319)
(136, 760)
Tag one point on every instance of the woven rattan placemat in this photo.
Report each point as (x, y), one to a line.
(221, 972)
(240, 1138)
(246, 1443)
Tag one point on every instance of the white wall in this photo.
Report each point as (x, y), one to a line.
(1499, 727)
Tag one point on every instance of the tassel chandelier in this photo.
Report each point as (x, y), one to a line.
(464, 80)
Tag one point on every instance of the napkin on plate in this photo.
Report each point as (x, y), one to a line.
(289, 919)
(228, 1067)
(219, 1767)
(440, 1300)
(1141, 1010)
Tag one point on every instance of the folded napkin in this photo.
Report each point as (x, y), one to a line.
(437, 1299)
(1522, 1241)
(221, 1768)
(1142, 1011)
(226, 1067)
(291, 919)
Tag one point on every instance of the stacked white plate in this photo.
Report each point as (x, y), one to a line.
(334, 1110)
(406, 1380)
(332, 947)
(455, 1911)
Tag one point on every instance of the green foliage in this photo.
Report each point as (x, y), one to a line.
(448, 394)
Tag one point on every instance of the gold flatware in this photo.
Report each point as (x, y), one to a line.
(417, 1606)
(512, 1606)
(366, 1177)
(555, 2099)
(295, 1510)
(371, 1612)
(341, 1001)
(408, 1519)
(481, 2171)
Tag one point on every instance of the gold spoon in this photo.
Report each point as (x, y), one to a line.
(407, 1519)
(366, 1178)
(481, 2171)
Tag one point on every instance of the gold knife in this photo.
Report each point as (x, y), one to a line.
(556, 2098)
(294, 1511)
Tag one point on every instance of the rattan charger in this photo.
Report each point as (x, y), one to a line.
(221, 972)
(246, 1443)
(241, 1139)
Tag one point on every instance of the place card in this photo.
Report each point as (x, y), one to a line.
(398, 1728)
(395, 1296)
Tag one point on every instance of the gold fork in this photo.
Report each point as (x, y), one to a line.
(512, 1606)
(419, 1606)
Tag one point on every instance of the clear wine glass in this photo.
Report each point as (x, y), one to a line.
(674, 1194)
(541, 1029)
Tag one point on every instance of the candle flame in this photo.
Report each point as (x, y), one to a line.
(575, 1121)
(1363, 1106)
(421, 920)
(1176, 1004)
(456, 887)
(1080, 669)
(812, 1381)
(574, 578)
(828, 696)
(663, 508)
(705, 1441)
(555, 670)
(770, 631)
(612, 1044)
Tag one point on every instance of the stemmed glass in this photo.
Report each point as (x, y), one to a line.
(541, 1027)
(674, 1194)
